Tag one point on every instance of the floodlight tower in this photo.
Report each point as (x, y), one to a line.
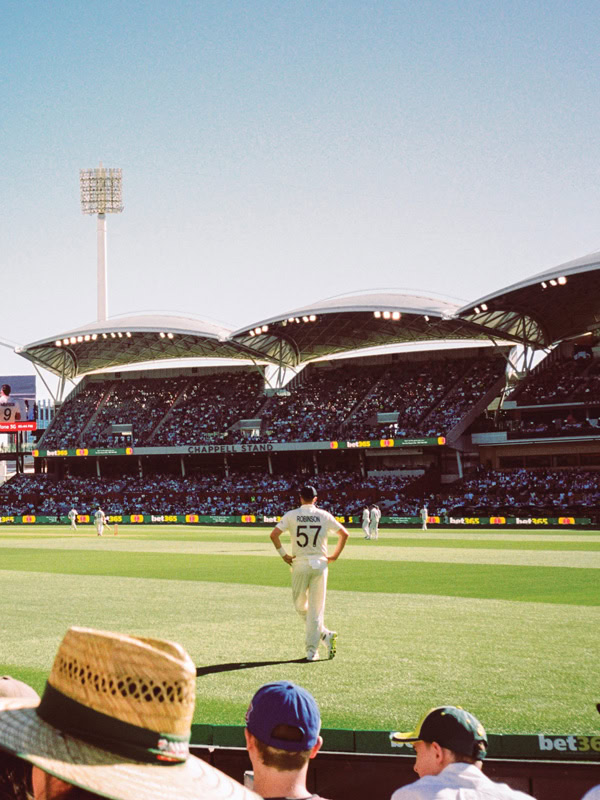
(101, 195)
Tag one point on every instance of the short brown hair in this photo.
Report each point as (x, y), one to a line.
(283, 760)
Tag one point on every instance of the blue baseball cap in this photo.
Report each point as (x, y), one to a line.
(284, 703)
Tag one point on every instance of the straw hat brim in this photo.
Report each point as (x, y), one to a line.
(26, 735)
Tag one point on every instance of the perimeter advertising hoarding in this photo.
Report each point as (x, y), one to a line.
(17, 403)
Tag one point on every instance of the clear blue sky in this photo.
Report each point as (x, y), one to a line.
(276, 153)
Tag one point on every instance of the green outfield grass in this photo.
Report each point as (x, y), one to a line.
(503, 623)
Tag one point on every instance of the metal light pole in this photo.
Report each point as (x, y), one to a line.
(101, 194)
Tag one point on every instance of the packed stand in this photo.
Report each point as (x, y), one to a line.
(75, 413)
(209, 407)
(316, 409)
(523, 492)
(538, 426)
(411, 391)
(430, 399)
(561, 382)
(206, 494)
(141, 403)
(481, 376)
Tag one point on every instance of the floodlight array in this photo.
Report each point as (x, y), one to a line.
(299, 320)
(101, 191)
(479, 309)
(91, 337)
(393, 315)
(258, 330)
(554, 282)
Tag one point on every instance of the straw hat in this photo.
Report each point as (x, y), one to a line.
(115, 719)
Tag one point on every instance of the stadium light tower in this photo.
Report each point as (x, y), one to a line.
(101, 195)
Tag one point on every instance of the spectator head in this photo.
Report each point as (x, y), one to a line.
(282, 727)
(114, 720)
(445, 735)
(308, 493)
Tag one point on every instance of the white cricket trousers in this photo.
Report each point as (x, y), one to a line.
(309, 589)
(99, 528)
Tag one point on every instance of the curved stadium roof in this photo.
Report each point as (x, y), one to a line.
(351, 322)
(120, 341)
(553, 305)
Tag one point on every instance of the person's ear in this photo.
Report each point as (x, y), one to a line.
(315, 748)
(438, 752)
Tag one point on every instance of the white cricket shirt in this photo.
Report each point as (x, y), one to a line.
(308, 527)
(11, 410)
(458, 781)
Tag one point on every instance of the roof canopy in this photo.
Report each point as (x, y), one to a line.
(551, 306)
(352, 322)
(120, 341)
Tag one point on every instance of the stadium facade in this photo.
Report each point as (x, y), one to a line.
(431, 417)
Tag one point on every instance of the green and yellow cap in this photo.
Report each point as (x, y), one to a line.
(451, 727)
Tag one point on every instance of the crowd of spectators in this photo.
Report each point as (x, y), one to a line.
(411, 390)
(506, 492)
(155, 411)
(140, 404)
(569, 380)
(328, 404)
(429, 399)
(317, 408)
(559, 426)
(201, 493)
(208, 407)
(67, 425)
(522, 492)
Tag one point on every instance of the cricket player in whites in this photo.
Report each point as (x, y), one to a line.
(308, 527)
(424, 517)
(99, 521)
(365, 522)
(374, 522)
(73, 517)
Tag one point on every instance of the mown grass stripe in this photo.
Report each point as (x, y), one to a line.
(534, 584)
(488, 543)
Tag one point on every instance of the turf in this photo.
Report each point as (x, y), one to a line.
(578, 587)
(516, 645)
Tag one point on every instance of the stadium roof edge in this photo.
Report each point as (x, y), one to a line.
(547, 307)
(131, 339)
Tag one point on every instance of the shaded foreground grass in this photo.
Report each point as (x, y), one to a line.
(534, 584)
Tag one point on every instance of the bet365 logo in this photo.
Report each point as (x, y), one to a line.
(573, 744)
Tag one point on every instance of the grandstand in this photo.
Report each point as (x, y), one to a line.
(398, 425)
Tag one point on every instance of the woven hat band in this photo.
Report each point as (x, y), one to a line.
(109, 733)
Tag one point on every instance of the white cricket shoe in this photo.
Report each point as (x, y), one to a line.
(312, 655)
(330, 641)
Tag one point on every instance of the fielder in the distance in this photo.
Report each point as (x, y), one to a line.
(72, 515)
(374, 523)
(424, 517)
(308, 527)
(365, 522)
(99, 521)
